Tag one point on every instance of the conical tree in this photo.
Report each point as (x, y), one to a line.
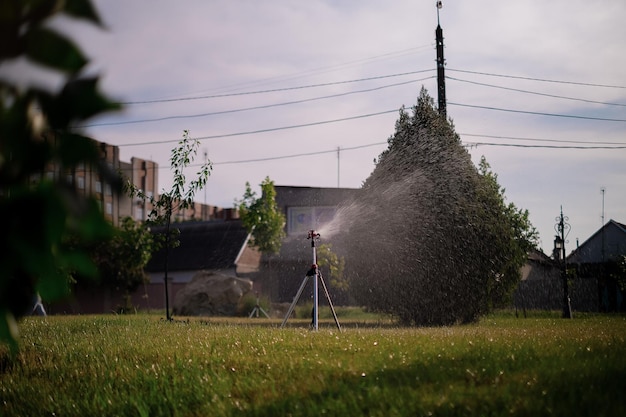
(427, 240)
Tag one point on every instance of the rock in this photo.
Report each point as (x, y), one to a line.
(210, 294)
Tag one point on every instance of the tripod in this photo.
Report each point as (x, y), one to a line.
(316, 274)
(257, 308)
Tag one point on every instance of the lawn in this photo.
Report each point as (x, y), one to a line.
(141, 365)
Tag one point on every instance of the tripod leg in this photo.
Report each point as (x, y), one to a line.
(330, 303)
(263, 311)
(295, 300)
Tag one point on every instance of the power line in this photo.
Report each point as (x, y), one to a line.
(537, 79)
(319, 70)
(541, 146)
(273, 129)
(273, 158)
(266, 106)
(536, 93)
(538, 113)
(594, 145)
(365, 116)
(301, 87)
(541, 139)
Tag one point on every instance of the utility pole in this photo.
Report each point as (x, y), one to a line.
(441, 77)
(338, 164)
(562, 228)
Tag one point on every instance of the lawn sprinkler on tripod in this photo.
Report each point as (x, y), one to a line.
(257, 308)
(316, 274)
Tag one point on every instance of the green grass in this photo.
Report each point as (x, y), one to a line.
(141, 365)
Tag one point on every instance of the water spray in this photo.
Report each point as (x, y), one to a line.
(316, 274)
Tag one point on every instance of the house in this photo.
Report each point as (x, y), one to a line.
(219, 246)
(598, 260)
(595, 281)
(541, 286)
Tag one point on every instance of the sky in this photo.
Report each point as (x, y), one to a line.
(307, 92)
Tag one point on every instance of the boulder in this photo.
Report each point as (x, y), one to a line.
(210, 294)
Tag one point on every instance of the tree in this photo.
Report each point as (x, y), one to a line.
(429, 240)
(522, 237)
(121, 260)
(179, 197)
(35, 134)
(262, 218)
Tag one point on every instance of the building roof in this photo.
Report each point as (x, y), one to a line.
(207, 245)
(608, 243)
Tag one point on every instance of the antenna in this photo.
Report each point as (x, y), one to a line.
(441, 77)
(439, 6)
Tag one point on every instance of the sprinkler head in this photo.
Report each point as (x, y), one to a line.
(313, 234)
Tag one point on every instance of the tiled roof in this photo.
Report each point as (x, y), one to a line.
(206, 245)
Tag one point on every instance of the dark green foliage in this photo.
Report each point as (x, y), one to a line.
(262, 217)
(40, 213)
(519, 237)
(431, 241)
(121, 259)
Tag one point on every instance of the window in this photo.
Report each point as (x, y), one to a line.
(109, 208)
(302, 219)
(99, 187)
(80, 182)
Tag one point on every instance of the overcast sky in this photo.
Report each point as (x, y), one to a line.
(552, 72)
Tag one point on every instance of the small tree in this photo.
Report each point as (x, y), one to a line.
(121, 260)
(262, 218)
(519, 237)
(179, 197)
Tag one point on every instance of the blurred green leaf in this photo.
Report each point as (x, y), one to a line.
(45, 214)
(54, 286)
(74, 149)
(82, 9)
(53, 50)
(78, 101)
(8, 330)
(93, 226)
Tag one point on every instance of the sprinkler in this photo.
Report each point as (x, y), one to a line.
(315, 273)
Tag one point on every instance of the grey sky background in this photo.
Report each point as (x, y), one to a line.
(202, 65)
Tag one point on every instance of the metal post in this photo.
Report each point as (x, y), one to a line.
(312, 236)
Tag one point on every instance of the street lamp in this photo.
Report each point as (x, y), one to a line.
(558, 248)
(559, 255)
